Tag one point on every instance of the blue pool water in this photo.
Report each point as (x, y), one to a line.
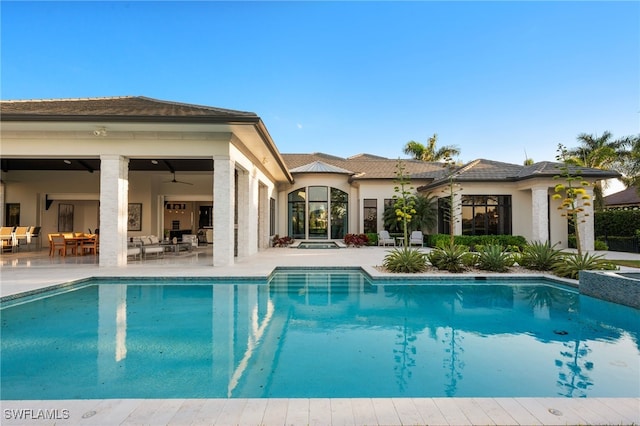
(317, 334)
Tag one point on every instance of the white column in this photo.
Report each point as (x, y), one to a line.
(457, 213)
(540, 214)
(244, 202)
(247, 214)
(114, 201)
(586, 223)
(223, 210)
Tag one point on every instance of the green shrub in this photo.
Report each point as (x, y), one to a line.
(569, 266)
(494, 257)
(405, 259)
(448, 257)
(538, 256)
(470, 259)
(600, 245)
(472, 241)
(373, 238)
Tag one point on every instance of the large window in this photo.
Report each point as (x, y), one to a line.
(339, 213)
(486, 215)
(272, 216)
(297, 200)
(370, 215)
(318, 212)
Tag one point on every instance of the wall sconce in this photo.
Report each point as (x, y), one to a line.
(101, 131)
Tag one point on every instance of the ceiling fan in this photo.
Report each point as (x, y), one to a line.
(177, 181)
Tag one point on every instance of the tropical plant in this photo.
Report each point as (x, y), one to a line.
(494, 257)
(569, 266)
(405, 259)
(599, 152)
(451, 203)
(356, 240)
(538, 256)
(424, 219)
(574, 198)
(282, 241)
(426, 216)
(449, 257)
(630, 164)
(404, 201)
(429, 152)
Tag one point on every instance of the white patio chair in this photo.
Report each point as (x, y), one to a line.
(385, 239)
(416, 238)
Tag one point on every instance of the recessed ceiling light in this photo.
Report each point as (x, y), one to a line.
(154, 161)
(67, 161)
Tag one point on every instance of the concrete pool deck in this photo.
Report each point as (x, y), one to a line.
(25, 271)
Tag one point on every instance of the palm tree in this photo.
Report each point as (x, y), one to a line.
(599, 152)
(630, 165)
(429, 152)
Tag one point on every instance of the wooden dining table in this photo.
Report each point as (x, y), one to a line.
(75, 242)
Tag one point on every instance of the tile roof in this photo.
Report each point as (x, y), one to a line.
(482, 170)
(320, 167)
(626, 197)
(365, 166)
(129, 107)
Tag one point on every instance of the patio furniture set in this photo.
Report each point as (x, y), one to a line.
(385, 239)
(142, 246)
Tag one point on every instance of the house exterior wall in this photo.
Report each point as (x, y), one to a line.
(522, 207)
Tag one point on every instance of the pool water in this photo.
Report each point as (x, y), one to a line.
(318, 334)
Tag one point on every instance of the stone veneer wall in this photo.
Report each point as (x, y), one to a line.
(611, 286)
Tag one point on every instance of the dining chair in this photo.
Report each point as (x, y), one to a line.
(57, 243)
(89, 245)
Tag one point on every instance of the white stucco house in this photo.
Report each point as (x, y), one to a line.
(89, 163)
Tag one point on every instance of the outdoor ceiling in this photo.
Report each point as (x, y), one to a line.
(93, 164)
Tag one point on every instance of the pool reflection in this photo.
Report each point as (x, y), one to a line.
(311, 334)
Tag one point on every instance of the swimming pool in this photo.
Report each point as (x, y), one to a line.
(317, 334)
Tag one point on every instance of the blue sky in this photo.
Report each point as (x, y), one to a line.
(497, 79)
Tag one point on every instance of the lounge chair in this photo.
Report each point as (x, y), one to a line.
(416, 238)
(21, 236)
(7, 238)
(385, 239)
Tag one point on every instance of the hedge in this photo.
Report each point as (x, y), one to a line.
(473, 240)
(621, 223)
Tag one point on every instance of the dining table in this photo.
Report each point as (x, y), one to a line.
(75, 242)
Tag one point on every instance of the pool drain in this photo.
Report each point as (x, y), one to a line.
(555, 412)
(89, 414)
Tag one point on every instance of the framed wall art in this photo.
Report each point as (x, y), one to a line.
(134, 223)
(65, 217)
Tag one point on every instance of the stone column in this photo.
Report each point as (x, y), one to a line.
(540, 214)
(586, 223)
(244, 205)
(114, 202)
(223, 210)
(248, 205)
(457, 213)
